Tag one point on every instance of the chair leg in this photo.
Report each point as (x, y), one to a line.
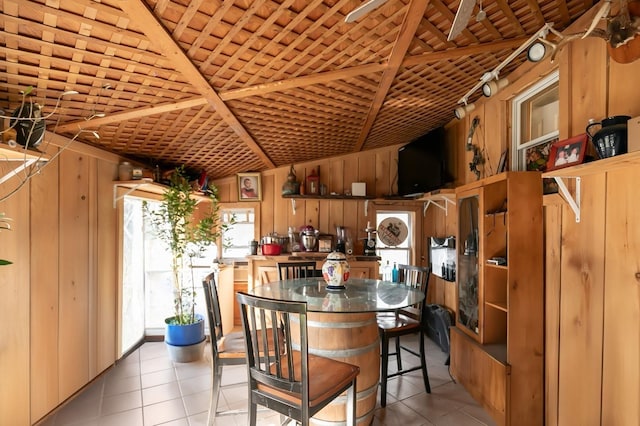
(385, 370)
(215, 392)
(351, 404)
(398, 354)
(253, 412)
(423, 363)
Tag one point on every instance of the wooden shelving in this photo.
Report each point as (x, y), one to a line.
(328, 197)
(501, 307)
(598, 166)
(594, 167)
(440, 198)
(149, 186)
(23, 158)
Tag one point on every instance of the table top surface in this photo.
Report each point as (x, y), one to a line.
(360, 295)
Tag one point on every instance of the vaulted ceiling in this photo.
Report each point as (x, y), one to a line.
(237, 85)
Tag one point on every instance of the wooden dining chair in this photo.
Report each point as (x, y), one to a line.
(403, 322)
(297, 269)
(292, 382)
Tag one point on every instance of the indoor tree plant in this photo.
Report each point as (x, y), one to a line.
(186, 234)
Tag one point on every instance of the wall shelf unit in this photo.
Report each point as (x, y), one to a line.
(149, 186)
(295, 197)
(20, 157)
(575, 173)
(328, 197)
(497, 343)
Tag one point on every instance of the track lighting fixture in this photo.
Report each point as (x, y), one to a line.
(536, 52)
(462, 111)
(487, 77)
(492, 87)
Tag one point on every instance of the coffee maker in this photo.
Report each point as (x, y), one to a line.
(341, 239)
(370, 241)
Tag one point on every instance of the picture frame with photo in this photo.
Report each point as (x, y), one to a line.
(567, 152)
(249, 187)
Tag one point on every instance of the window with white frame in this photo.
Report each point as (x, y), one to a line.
(237, 238)
(535, 124)
(400, 254)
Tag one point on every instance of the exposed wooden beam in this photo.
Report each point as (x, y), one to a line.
(463, 51)
(155, 31)
(324, 77)
(412, 20)
(130, 115)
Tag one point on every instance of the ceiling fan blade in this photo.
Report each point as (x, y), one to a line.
(462, 18)
(363, 9)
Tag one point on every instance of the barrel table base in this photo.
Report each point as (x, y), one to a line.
(351, 338)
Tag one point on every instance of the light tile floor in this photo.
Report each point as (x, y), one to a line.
(146, 389)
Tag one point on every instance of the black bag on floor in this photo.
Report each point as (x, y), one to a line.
(438, 321)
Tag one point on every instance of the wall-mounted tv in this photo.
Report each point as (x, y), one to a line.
(422, 164)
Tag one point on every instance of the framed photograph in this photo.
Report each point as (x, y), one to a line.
(249, 188)
(568, 152)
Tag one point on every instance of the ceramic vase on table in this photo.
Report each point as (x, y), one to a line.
(336, 270)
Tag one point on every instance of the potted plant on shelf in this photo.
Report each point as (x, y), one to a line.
(186, 234)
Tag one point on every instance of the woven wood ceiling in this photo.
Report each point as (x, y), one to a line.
(237, 86)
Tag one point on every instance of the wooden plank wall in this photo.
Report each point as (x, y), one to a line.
(61, 289)
(378, 168)
(592, 313)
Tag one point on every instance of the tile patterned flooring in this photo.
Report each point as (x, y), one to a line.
(146, 388)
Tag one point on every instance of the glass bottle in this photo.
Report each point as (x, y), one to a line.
(125, 171)
(394, 273)
(386, 272)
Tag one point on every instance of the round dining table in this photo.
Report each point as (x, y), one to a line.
(342, 325)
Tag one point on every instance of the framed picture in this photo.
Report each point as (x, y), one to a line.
(568, 152)
(249, 188)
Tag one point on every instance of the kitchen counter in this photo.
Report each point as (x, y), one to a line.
(311, 255)
(262, 269)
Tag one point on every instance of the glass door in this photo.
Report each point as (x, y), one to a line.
(468, 247)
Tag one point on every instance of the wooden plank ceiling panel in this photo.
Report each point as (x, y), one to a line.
(246, 85)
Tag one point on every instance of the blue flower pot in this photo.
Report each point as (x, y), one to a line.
(184, 335)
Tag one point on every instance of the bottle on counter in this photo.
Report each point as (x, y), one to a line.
(386, 272)
(394, 273)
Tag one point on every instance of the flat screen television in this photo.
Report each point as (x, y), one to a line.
(422, 164)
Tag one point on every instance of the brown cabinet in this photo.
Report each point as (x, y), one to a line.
(497, 343)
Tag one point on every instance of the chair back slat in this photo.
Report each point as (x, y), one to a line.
(278, 365)
(214, 316)
(272, 360)
(416, 277)
(294, 270)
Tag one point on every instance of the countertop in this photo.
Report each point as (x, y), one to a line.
(311, 255)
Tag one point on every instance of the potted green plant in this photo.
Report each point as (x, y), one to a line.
(186, 236)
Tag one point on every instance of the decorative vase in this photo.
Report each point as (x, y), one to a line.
(291, 186)
(336, 270)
